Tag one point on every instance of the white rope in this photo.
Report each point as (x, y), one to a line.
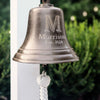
(43, 93)
(43, 80)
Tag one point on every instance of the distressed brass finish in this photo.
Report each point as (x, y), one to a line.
(46, 41)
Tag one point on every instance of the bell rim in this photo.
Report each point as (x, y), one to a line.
(46, 62)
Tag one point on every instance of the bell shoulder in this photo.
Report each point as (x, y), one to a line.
(33, 9)
(45, 9)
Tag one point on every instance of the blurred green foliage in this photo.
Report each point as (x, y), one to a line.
(76, 8)
(83, 77)
(4, 11)
(69, 79)
(4, 61)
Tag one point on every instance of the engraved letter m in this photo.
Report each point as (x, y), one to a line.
(53, 26)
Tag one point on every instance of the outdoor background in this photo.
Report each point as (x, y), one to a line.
(70, 81)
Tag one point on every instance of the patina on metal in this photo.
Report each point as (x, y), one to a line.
(46, 41)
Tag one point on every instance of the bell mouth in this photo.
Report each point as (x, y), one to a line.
(46, 62)
(45, 56)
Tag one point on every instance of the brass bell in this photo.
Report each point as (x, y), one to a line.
(46, 41)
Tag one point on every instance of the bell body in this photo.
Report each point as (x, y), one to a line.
(46, 41)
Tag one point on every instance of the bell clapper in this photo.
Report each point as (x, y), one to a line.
(43, 81)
